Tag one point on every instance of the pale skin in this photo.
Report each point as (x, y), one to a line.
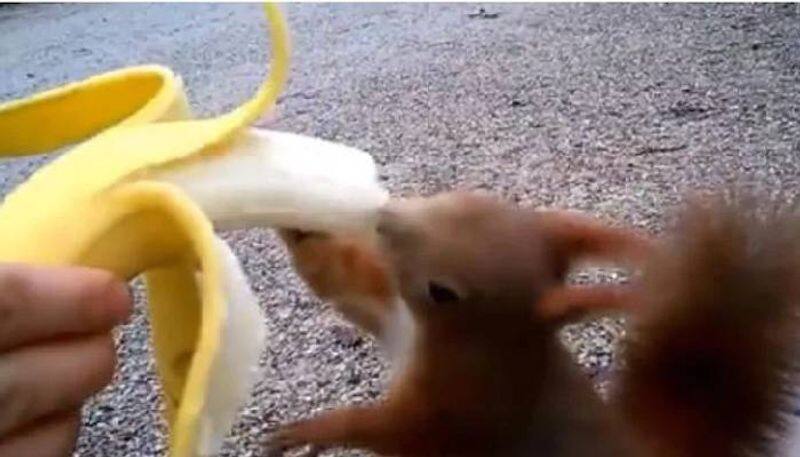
(56, 350)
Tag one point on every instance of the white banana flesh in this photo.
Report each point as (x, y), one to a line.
(275, 179)
(235, 369)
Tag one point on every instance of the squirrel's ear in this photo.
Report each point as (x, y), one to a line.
(569, 303)
(573, 236)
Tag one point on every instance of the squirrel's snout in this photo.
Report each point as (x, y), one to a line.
(388, 219)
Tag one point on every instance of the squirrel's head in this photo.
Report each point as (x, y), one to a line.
(465, 256)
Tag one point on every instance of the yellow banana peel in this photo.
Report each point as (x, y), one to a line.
(142, 189)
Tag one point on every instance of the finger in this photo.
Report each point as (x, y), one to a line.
(53, 437)
(38, 303)
(39, 381)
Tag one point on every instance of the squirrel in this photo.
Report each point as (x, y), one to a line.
(468, 293)
(352, 273)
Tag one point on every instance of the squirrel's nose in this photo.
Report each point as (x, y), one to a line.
(388, 217)
(396, 221)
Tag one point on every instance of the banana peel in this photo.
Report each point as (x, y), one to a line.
(141, 190)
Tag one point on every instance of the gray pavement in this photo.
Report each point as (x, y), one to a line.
(617, 110)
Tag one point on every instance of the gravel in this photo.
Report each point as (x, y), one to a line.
(618, 110)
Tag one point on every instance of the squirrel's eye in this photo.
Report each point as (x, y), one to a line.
(441, 294)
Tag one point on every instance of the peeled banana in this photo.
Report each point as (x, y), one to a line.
(140, 191)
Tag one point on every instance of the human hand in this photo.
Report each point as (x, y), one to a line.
(56, 350)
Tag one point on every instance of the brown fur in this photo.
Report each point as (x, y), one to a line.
(707, 363)
(351, 270)
(480, 367)
(347, 270)
(707, 360)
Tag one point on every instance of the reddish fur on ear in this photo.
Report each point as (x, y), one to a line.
(574, 236)
(569, 302)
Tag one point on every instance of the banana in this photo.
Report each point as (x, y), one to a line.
(141, 189)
